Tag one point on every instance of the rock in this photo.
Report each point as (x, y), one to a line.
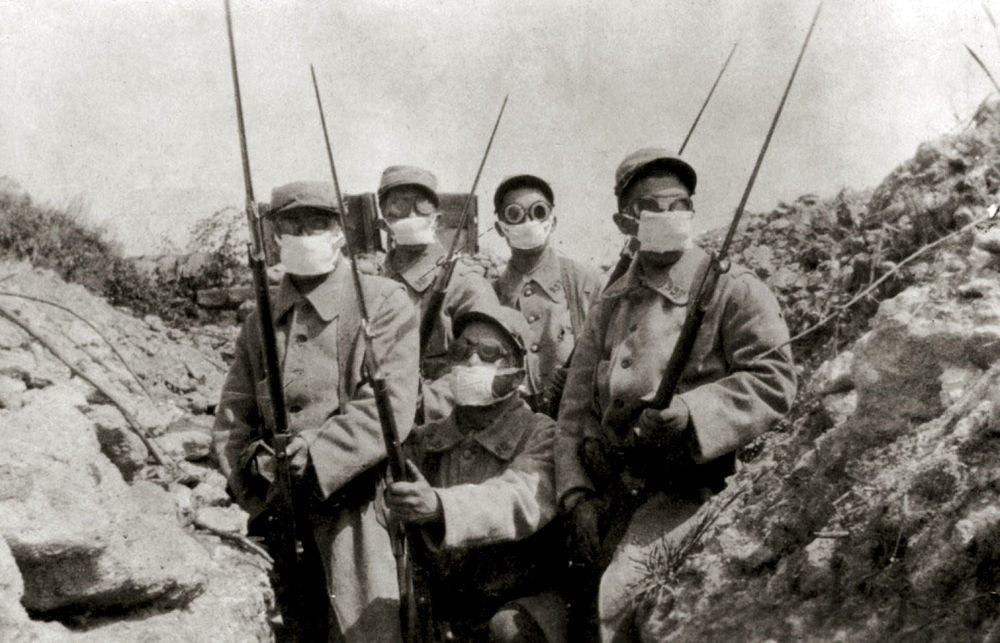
(15, 624)
(187, 445)
(229, 519)
(840, 406)
(82, 540)
(834, 375)
(118, 441)
(816, 573)
(989, 240)
(954, 382)
(155, 323)
(11, 391)
(211, 492)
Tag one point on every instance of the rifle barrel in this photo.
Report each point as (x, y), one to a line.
(767, 140)
(707, 98)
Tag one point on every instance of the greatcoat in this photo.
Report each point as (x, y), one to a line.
(333, 409)
(497, 497)
(554, 297)
(734, 386)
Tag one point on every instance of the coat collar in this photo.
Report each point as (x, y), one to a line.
(500, 438)
(422, 271)
(674, 286)
(546, 274)
(327, 298)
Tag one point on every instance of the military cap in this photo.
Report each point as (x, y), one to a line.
(304, 194)
(522, 181)
(510, 321)
(397, 175)
(638, 163)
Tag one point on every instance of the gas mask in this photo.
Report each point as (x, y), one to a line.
(474, 385)
(413, 231)
(528, 235)
(665, 231)
(312, 254)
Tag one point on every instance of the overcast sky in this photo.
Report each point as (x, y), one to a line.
(127, 106)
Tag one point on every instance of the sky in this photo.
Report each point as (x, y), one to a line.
(124, 110)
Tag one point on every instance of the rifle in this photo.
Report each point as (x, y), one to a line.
(383, 404)
(717, 265)
(632, 245)
(558, 382)
(284, 542)
(440, 287)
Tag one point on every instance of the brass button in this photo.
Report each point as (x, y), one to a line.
(528, 291)
(532, 318)
(626, 362)
(534, 348)
(301, 338)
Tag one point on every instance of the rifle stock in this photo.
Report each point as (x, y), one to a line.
(282, 517)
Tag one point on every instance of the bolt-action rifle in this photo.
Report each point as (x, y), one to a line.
(282, 518)
(554, 389)
(440, 287)
(408, 612)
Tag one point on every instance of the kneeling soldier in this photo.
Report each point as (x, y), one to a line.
(486, 495)
(337, 453)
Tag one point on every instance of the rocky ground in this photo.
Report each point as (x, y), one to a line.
(874, 513)
(100, 542)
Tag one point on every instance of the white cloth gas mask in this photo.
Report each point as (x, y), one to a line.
(665, 231)
(528, 235)
(473, 385)
(413, 231)
(312, 254)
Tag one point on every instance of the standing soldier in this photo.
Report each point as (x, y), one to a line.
(485, 497)
(337, 453)
(731, 389)
(410, 208)
(553, 292)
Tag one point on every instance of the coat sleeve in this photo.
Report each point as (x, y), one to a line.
(511, 506)
(468, 291)
(237, 417)
(351, 442)
(758, 390)
(576, 416)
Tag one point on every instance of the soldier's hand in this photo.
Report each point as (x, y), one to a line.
(658, 427)
(584, 531)
(415, 501)
(297, 453)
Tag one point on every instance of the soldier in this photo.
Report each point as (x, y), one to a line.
(337, 455)
(553, 292)
(410, 209)
(486, 493)
(729, 392)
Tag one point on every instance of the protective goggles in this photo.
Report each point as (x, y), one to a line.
(398, 206)
(303, 223)
(489, 351)
(515, 213)
(658, 204)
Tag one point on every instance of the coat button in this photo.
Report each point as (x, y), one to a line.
(528, 291)
(467, 454)
(532, 317)
(557, 286)
(301, 338)
(626, 362)
(295, 408)
(534, 348)
(633, 328)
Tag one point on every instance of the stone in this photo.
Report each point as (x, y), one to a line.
(838, 407)
(834, 375)
(229, 519)
(11, 392)
(119, 443)
(83, 541)
(192, 445)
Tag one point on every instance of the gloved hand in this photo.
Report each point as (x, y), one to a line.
(415, 501)
(584, 531)
(666, 427)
